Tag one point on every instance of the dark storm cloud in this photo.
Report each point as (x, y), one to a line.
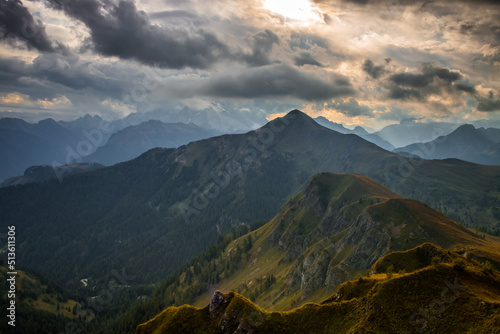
(431, 81)
(465, 88)
(119, 29)
(350, 107)
(51, 75)
(411, 80)
(488, 103)
(399, 93)
(374, 71)
(177, 16)
(262, 45)
(273, 81)
(442, 73)
(16, 22)
(305, 58)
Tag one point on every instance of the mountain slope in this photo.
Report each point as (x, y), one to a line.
(465, 143)
(168, 205)
(40, 305)
(132, 141)
(439, 298)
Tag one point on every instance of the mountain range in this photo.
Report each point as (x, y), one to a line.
(359, 131)
(23, 145)
(87, 139)
(168, 205)
(410, 131)
(465, 143)
(132, 141)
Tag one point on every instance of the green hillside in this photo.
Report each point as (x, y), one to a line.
(462, 296)
(40, 305)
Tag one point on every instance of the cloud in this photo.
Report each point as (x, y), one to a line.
(442, 73)
(465, 87)
(86, 84)
(374, 71)
(399, 93)
(120, 29)
(262, 44)
(305, 58)
(306, 41)
(411, 80)
(431, 81)
(350, 107)
(274, 81)
(17, 23)
(488, 103)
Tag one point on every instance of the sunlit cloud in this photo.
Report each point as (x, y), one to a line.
(294, 10)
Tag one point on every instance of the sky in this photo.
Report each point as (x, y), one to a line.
(356, 62)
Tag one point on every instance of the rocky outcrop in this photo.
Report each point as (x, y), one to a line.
(234, 314)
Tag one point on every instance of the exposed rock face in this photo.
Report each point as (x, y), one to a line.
(233, 314)
(335, 230)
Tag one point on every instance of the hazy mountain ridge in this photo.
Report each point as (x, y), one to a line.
(213, 117)
(132, 141)
(465, 143)
(408, 132)
(23, 145)
(359, 131)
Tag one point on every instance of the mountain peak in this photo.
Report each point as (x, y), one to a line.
(467, 132)
(300, 119)
(296, 112)
(466, 127)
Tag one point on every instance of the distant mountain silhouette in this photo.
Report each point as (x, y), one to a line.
(359, 131)
(493, 134)
(85, 122)
(23, 145)
(408, 132)
(132, 141)
(465, 143)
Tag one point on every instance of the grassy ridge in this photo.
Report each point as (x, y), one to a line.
(437, 298)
